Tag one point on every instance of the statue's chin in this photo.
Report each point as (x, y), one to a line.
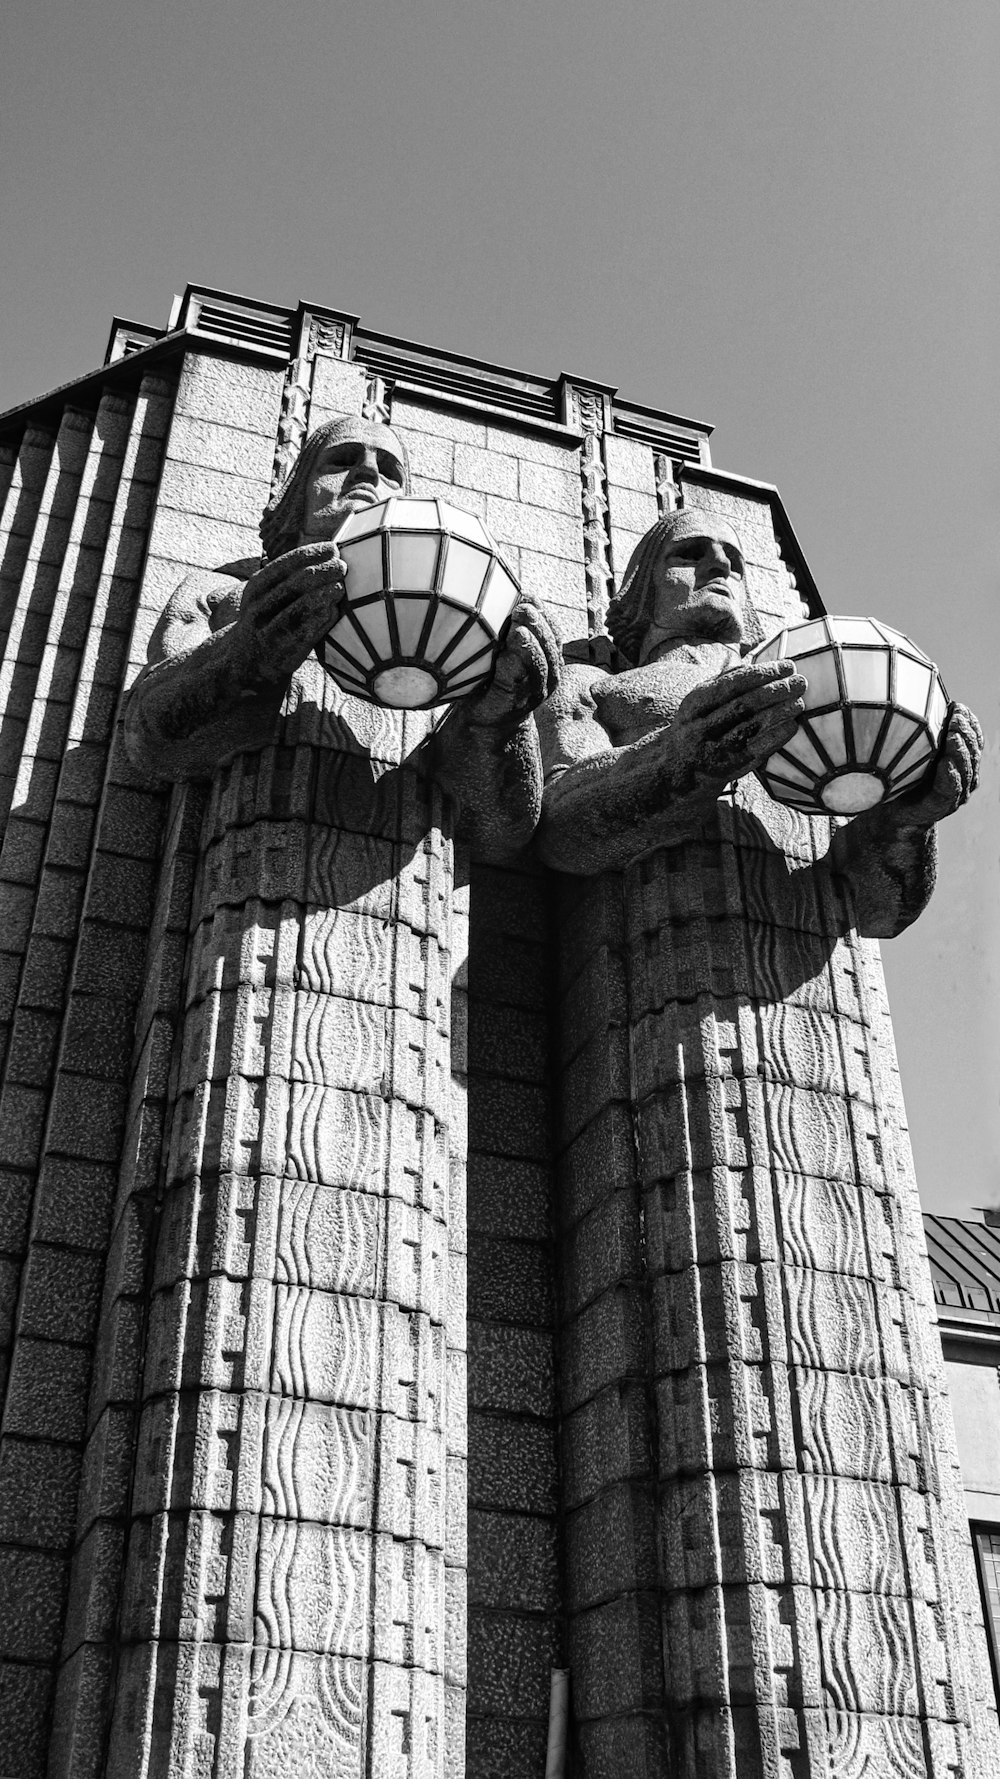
(710, 617)
(323, 527)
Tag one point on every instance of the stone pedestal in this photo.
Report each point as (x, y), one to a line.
(291, 1603)
(783, 1488)
(768, 1567)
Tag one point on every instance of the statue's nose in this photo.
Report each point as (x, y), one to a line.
(366, 467)
(715, 557)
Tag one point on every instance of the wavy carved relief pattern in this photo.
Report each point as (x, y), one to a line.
(821, 1224)
(313, 1101)
(861, 1747)
(765, 1134)
(327, 1237)
(305, 1716)
(843, 1426)
(719, 1336)
(851, 1319)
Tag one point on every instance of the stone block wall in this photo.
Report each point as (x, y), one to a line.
(524, 487)
(515, 1557)
(78, 875)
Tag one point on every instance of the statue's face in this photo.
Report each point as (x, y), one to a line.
(361, 464)
(698, 582)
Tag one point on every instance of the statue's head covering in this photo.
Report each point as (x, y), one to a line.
(281, 521)
(630, 611)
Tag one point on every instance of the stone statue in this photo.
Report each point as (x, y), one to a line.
(731, 1103)
(317, 1109)
(635, 759)
(230, 639)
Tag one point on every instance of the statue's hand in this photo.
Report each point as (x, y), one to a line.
(285, 608)
(952, 781)
(731, 724)
(526, 673)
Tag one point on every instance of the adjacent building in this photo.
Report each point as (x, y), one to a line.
(965, 1267)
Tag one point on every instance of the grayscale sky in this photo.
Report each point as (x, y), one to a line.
(777, 216)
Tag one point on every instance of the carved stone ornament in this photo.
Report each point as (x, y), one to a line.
(458, 1221)
(637, 758)
(782, 1276)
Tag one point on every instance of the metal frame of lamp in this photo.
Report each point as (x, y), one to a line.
(426, 605)
(875, 711)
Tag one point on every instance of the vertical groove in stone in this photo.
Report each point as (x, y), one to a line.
(77, 835)
(8, 465)
(48, 866)
(18, 513)
(36, 596)
(609, 1486)
(36, 716)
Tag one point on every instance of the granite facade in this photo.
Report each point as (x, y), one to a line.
(418, 1274)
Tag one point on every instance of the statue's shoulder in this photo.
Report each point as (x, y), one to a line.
(239, 571)
(594, 651)
(204, 590)
(206, 600)
(568, 723)
(585, 667)
(588, 665)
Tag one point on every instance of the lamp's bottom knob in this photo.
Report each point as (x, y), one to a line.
(851, 792)
(406, 688)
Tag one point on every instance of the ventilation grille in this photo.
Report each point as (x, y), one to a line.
(233, 321)
(538, 402)
(684, 445)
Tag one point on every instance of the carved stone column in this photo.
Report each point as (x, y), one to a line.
(588, 407)
(292, 1606)
(811, 1613)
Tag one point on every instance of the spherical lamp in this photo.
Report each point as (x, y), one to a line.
(426, 604)
(875, 709)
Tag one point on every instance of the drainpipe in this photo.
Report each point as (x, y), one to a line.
(555, 1757)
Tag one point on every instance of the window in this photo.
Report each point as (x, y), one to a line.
(986, 1543)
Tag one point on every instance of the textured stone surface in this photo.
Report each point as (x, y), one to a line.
(666, 1389)
(499, 1746)
(303, 1426)
(767, 1288)
(25, 1707)
(513, 1534)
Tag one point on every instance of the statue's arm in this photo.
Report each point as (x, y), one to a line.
(195, 703)
(486, 752)
(221, 658)
(604, 805)
(887, 858)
